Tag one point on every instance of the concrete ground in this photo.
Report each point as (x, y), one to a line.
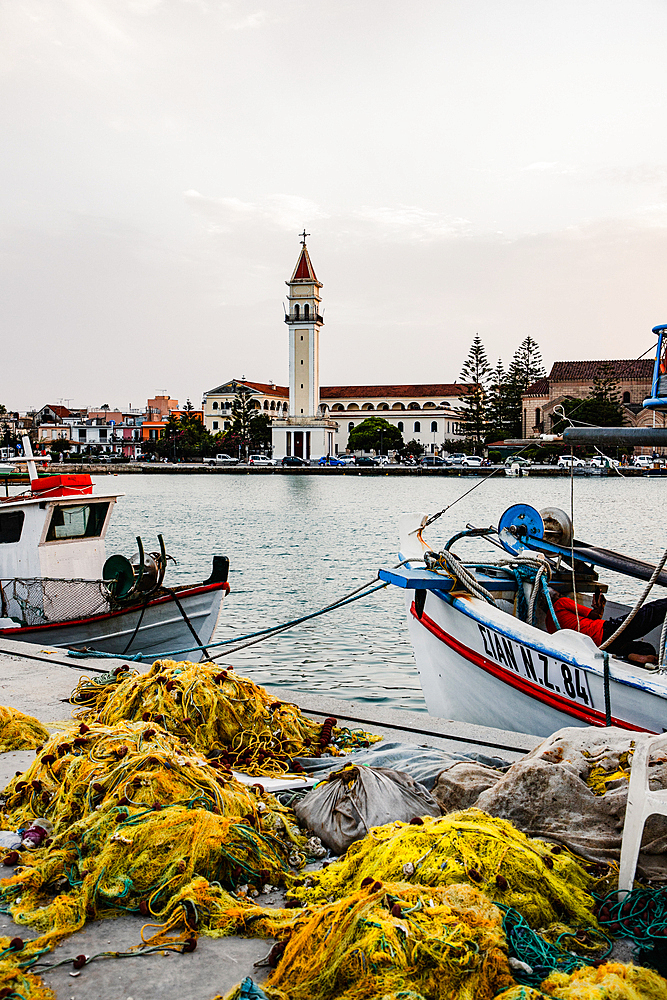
(38, 681)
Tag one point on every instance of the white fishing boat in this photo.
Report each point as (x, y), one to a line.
(479, 626)
(57, 587)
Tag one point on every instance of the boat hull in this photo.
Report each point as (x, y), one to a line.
(481, 665)
(162, 628)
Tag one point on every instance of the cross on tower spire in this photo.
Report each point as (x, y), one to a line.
(303, 236)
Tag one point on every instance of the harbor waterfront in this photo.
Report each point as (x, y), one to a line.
(296, 544)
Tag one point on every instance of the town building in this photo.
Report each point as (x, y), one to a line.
(574, 380)
(311, 420)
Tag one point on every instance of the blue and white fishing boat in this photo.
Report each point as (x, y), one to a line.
(479, 625)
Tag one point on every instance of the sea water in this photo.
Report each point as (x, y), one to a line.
(298, 542)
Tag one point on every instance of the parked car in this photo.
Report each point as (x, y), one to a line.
(331, 460)
(644, 461)
(427, 460)
(261, 460)
(365, 460)
(565, 461)
(293, 460)
(472, 461)
(517, 460)
(457, 457)
(345, 459)
(221, 460)
(603, 463)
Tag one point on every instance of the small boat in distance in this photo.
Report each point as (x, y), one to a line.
(58, 588)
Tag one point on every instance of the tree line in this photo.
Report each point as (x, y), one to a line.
(493, 409)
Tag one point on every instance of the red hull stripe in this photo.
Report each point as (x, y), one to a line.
(588, 715)
(16, 633)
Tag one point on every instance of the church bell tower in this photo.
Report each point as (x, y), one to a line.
(304, 320)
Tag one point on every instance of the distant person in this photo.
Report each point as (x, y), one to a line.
(590, 623)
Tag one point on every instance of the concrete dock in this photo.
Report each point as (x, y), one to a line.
(38, 680)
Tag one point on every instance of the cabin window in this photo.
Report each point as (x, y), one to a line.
(11, 525)
(77, 521)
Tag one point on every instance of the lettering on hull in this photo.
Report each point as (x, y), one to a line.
(539, 669)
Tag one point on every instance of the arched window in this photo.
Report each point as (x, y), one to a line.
(434, 426)
(273, 404)
(284, 407)
(414, 406)
(383, 406)
(368, 406)
(352, 406)
(418, 426)
(296, 311)
(626, 397)
(400, 426)
(306, 311)
(338, 407)
(537, 416)
(429, 406)
(398, 406)
(350, 426)
(266, 404)
(215, 406)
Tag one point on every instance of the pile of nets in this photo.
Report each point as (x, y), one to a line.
(383, 939)
(227, 717)
(133, 764)
(124, 859)
(611, 981)
(19, 731)
(545, 883)
(19, 983)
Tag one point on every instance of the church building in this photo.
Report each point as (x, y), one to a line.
(310, 420)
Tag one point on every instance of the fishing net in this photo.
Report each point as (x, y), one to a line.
(227, 717)
(543, 882)
(445, 943)
(17, 982)
(611, 981)
(19, 731)
(124, 859)
(34, 601)
(136, 764)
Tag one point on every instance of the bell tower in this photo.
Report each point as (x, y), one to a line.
(304, 320)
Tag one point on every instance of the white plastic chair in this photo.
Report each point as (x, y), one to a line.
(642, 803)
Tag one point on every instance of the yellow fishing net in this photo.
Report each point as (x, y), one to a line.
(546, 884)
(612, 981)
(445, 943)
(19, 731)
(136, 860)
(218, 712)
(137, 764)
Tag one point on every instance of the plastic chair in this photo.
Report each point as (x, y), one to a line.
(642, 803)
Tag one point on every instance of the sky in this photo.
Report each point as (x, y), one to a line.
(461, 166)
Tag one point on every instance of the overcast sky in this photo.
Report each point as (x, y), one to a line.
(464, 166)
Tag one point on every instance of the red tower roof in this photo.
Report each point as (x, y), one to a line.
(304, 269)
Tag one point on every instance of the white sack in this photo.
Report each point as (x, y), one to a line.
(344, 807)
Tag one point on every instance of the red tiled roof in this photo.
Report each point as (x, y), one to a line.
(401, 391)
(60, 411)
(586, 371)
(304, 270)
(268, 390)
(539, 388)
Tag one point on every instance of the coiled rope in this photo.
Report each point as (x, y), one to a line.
(452, 565)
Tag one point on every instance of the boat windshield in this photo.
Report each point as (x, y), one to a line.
(77, 521)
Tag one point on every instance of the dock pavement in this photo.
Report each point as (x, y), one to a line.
(38, 680)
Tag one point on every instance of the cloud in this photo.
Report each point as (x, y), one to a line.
(281, 211)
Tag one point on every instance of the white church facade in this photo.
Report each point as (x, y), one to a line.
(310, 420)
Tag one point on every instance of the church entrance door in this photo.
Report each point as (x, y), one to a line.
(298, 444)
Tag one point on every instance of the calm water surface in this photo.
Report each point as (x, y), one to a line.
(296, 543)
